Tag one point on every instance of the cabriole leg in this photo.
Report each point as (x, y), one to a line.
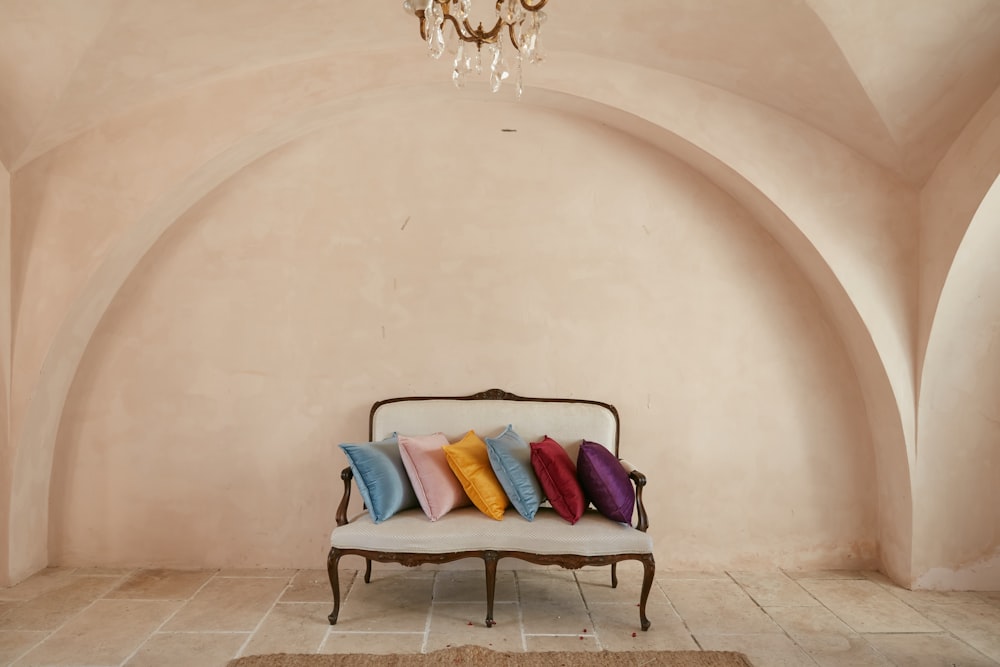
(332, 570)
(614, 575)
(368, 570)
(649, 569)
(490, 558)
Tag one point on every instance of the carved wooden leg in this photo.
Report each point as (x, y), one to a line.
(368, 570)
(490, 558)
(332, 570)
(649, 567)
(614, 575)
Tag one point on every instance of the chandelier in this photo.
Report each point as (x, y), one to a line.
(520, 20)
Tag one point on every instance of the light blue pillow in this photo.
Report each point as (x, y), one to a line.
(510, 456)
(381, 478)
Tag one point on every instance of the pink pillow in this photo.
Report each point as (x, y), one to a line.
(437, 488)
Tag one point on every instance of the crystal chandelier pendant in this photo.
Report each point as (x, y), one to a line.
(461, 67)
(518, 22)
(498, 70)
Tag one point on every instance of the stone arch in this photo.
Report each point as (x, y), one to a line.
(35, 451)
(956, 516)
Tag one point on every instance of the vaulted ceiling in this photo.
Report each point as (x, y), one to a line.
(895, 80)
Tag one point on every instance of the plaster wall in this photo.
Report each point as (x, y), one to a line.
(255, 335)
(958, 467)
(131, 184)
(957, 470)
(6, 446)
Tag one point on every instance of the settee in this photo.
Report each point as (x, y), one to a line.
(409, 537)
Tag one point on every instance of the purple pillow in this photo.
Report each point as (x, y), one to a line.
(605, 482)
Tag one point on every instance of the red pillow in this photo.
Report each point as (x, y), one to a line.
(557, 475)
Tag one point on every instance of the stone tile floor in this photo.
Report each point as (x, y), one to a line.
(204, 618)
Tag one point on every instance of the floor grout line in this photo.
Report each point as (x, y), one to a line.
(586, 606)
(166, 620)
(520, 612)
(50, 633)
(253, 633)
(430, 615)
(759, 606)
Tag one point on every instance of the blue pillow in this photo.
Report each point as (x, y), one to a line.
(381, 478)
(510, 457)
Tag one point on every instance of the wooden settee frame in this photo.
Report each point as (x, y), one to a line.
(491, 557)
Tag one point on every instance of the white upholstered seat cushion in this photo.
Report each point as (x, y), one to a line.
(467, 529)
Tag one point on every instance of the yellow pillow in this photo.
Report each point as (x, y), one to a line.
(470, 462)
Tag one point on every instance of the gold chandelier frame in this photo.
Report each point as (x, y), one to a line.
(479, 35)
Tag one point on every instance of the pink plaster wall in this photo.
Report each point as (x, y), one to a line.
(256, 334)
(190, 320)
(6, 446)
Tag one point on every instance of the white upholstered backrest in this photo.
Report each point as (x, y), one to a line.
(566, 422)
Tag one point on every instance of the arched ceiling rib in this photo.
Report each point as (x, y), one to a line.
(896, 80)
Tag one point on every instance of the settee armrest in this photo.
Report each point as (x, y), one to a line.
(639, 480)
(347, 475)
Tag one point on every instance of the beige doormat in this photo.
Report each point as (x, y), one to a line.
(477, 655)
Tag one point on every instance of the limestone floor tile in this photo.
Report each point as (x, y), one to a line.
(827, 639)
(291, 627)
(990, 597)
(764, 650)
(36, 584)
(470, 586)
(717, 607)
(617, 628)
(542, 643)
(545, 617)
(866, 606)
(919, 599)
(15, 643)
(105, 633)
(258, 573)
(928, 650)
(555, 587)
(688, 575)
(55, 606)
(551, 603)
(228, 604)
(6, 607)
(976, 624)
(595, 584)
(552, 574)
(825, 574)
(103, 571)
(457, 623)
(182, 649)
(311, 590)
(377, 643)
(390, 603)
(314, 586)
(773, 588)
(161, 584)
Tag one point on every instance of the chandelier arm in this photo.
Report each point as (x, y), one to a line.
(467, 33)
(513, 40)
(422, 15)
(533, 7)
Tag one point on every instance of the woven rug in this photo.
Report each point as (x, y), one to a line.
(477, 655)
